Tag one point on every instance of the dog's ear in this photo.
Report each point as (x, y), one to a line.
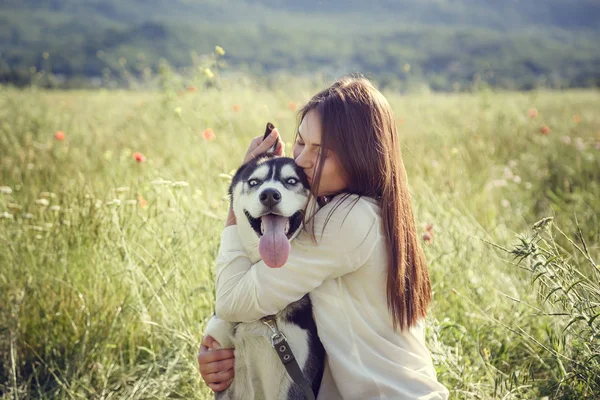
(268, 131)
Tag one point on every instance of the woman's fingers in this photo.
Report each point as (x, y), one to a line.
(206, 356)
(221, 365)
(279, 149)
(216, 366)
(219, 377)
(259, 145)
(210, 342)
(266, 143)
(219, 387)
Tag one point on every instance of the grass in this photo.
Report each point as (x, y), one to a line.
(107, 263)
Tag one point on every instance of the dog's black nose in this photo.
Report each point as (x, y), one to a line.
(270, 197)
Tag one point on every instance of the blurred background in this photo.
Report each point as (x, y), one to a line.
(438, 44)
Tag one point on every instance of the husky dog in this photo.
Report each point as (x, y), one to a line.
(268, 196)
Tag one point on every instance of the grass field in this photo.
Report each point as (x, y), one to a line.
(112, 204)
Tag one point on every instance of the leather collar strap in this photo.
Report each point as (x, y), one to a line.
(284, 351)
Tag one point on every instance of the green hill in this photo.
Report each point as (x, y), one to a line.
(512, 44)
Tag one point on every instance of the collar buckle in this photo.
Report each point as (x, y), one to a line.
(277, 336)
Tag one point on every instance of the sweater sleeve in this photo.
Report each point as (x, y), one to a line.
(247, 292)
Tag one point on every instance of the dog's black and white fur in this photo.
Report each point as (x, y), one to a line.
(269, 184)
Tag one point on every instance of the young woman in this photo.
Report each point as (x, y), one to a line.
(359, 257)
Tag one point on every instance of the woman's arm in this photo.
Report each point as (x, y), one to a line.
(247, 292)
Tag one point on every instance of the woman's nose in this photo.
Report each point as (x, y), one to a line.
(303, 160)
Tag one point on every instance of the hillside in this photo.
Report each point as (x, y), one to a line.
(512, 44)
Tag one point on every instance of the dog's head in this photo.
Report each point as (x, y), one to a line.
(268, 196)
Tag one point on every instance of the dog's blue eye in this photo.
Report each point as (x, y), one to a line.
(253, 182)
(292, 181)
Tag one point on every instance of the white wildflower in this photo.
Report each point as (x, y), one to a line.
(5, 190)
(180, 184)
(160, 182)
(54, 208)
(580, 144)
(114, 202)
(42, 202)
(14, 207)
(566, 139)
(6, 215)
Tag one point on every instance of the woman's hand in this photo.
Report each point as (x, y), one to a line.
(259, 146)
(216, 365)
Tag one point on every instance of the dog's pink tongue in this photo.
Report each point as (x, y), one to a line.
(274, 247)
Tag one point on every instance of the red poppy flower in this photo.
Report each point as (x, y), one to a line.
(143, 203)
(576, 118)
(545, 130)
(533, 113)
(192, 89)
(236, 107)
(209, 134)
(292, 106)
(427, 237)
(59, 135)
(139, 157)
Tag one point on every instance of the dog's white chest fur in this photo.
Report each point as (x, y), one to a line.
(259, 373)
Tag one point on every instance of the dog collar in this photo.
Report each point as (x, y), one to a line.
(284, 351)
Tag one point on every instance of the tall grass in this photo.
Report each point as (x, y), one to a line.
(106, 277)
(568, 279)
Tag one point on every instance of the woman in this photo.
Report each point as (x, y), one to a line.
(358, 257)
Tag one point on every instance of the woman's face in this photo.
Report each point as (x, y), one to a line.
(307, 152)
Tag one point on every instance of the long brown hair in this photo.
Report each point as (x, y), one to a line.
(358, 126)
